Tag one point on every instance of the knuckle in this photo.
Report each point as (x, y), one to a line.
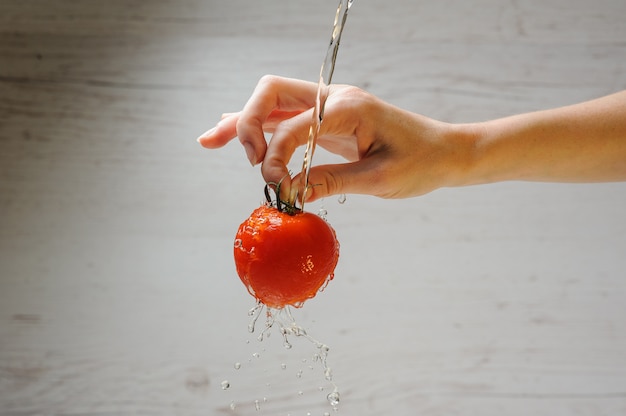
(332, 183)
(351, 93)
(268, 81)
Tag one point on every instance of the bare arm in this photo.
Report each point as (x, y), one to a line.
(584, 142)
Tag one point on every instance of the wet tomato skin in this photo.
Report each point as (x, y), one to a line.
(285, 259)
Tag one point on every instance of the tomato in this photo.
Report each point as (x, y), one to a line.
(284, 259)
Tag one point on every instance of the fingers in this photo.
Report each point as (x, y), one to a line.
(274, 99)
(284, 107)
(361, 177)
(323, 180)
(223, 132)
(226, 130)
(338, 134)
(271, 94)
(288, 135)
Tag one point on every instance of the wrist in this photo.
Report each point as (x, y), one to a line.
(466, 163)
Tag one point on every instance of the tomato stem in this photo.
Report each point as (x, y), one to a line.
(282, 206)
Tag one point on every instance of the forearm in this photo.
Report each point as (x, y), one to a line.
(580, 143)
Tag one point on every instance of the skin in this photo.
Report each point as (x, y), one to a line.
(393, 153)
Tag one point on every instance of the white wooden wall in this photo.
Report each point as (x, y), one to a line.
(118, 294)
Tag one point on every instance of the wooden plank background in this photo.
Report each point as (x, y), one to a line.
(118, 294)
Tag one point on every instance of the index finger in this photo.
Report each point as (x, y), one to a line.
(271, 93)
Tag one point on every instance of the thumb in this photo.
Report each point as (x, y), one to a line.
(360, 177)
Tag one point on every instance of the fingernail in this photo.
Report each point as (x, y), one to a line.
(207, 133)
(250, 153)
(293, 195)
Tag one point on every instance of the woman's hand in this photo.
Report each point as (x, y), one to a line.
(390, 153)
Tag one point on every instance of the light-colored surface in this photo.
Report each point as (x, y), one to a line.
(118, 294)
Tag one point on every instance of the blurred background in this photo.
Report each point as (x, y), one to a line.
(118, 293)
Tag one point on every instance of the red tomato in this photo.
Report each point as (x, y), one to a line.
(285, 259)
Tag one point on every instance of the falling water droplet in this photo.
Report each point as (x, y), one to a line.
(328, 374)
(333, 399)
(283, 366)
(257, 405)
(237, 366)
(342, 198)
(225, 385)
(232, 405)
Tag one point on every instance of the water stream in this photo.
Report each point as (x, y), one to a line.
(326, 74)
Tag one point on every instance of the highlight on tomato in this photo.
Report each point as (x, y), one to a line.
(284, 255)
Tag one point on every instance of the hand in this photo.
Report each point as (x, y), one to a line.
(390, 153)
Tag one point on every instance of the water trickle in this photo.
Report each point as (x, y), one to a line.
(326, 282)
(254, 313)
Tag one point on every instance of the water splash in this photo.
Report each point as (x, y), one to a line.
(289, 329)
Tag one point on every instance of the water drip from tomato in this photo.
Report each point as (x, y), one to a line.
(289, 328)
